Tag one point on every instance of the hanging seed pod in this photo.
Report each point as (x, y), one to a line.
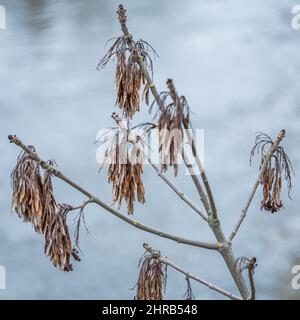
(125, 170)
(57, 240)
(152, 278)
(127, 184)
(27, 198)
(172, 119)
(129, 77)
(50, 205)
(278, 167)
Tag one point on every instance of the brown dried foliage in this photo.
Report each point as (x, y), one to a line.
(172, 118)
(152, 278)
(127, 184)
(58, 243)
(125, 172)
(33, 200)
(129, 77)
(279, 167)
(27, 199)
(50, 205)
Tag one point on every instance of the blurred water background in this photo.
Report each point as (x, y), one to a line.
(238, 65)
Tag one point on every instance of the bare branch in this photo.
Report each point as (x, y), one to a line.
(268, 155)
(189, 275)
(34, 156)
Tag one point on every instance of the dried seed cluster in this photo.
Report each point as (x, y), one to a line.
(272, 184)
(127, 183)
(173, 117)
(27, 200)
(49, 201)
(152, 278)
(129, 77)
(58, 243)
(125, 174)
(279, 167)
(33, 200)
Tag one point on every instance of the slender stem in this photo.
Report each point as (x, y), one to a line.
(85, 203)
(189, 275)
(203, 176)
(34, 156)
(178, 192)
(202, 195)
(267, 157)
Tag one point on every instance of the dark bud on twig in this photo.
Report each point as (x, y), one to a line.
(121, 14)
(75, 254)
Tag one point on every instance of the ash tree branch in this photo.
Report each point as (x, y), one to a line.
(213, 220)
(189, 275)
(267, 157)
(34, 156)
(155, 93)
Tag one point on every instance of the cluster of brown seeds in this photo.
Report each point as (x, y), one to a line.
(152, 278)
(50, 205)
(125, 174)
(272, 184)
(173, 117)
(33, 200)
(27, 200)
(278, 167)
(129, 77)
(58, 243)
(127, 183)
(129, 80)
